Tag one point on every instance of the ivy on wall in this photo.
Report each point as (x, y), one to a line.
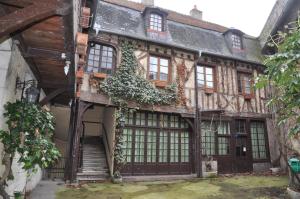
(126, 85)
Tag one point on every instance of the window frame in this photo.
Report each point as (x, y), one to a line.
(92, 45)
(236, 41)
(155, 25)
(214, 81)
(266, 138)
(242, 86)
(159, 57)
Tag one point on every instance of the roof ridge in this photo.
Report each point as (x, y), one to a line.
(173, 16)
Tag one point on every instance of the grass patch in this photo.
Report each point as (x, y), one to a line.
(237, 187)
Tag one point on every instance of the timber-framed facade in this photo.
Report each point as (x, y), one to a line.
(218, 116)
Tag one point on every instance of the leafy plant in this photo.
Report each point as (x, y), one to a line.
(30, 129)
(283, 74)
(127, 85)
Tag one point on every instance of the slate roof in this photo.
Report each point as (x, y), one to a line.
(125, 18)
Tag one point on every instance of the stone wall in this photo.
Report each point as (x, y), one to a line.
(13, 65)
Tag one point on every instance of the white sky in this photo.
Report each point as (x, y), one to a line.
(248, 16)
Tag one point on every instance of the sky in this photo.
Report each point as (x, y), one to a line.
(248, 16)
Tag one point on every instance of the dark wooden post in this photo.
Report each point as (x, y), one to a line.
(197, 124)
(82, 107)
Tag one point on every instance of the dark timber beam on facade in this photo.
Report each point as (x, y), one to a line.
(98, 98)
(38, 11)
(52, 95)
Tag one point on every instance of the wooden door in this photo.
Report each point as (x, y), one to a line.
(242, 149)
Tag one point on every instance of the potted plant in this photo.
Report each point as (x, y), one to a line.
(117, 178)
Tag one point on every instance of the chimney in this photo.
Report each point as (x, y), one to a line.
(195, 13)
(148, 2)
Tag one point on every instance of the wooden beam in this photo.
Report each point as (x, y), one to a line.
(52, 85)
(38, 11)
(52, 95)
(44, 53)
(16, 3)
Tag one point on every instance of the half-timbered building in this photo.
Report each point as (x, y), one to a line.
(218, 114)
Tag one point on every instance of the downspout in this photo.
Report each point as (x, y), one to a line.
(198, 125)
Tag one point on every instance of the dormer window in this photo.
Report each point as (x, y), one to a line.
(236, 41)
(156, 22)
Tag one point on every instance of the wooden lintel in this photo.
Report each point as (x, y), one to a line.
(52, 95)
(44, 53)
(38, 11)
(16, 3)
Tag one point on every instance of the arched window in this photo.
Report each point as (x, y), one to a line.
(156, 22)
(101, 59)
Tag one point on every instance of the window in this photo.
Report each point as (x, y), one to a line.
(184, 147)
(151, 146)
(159, 68)
(163, 146)
(236, 41)
(223, 138)
(101, 59)
(139, 145)
(244, 83)
(258, 140)
(128, 142)
(156, 22)
(205, 77)
(156, 138)
(240, 127)
(174, 149)
(208, 138)
(215, 134)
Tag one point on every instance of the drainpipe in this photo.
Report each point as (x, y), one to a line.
(198, 125)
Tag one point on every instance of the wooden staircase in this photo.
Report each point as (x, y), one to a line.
(94, 164)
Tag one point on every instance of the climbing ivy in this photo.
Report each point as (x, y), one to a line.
(126, 85)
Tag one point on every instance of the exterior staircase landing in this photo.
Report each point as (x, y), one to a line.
(94, 164)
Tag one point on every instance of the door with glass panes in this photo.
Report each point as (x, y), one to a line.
(242, 149)
(157, 143)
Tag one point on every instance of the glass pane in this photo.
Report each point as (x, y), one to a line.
(200, 69)
(209, 71)
(200, 76)
(153, 60)
(164, 62)
(258, 140)
(210, 84)
(151, 146)
(208, 138)
(209, 78)
(139, 146)
(127, 133)
(163, 146)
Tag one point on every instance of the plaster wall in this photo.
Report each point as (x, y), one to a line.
(13, 65)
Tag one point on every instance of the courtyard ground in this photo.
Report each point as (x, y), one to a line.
(240, 187)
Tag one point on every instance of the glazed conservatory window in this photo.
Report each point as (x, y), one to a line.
(244, 83)
(159, 68)
(128, 137)
(223, 138)
(205, 77)
(174, 149)
(258, 140)
(156, 22)
(139, 145)
(151, 146)
(101, 59)
(184, 147)
(208, 138)
(236, 41)
(163, 146)
(240, 127)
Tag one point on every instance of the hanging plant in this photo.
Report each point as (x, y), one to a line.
(30, 130)
(127, 85)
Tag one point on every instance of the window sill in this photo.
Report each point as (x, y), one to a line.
(209, 90)
(99, 75)
(248, 96)
(160, 84)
